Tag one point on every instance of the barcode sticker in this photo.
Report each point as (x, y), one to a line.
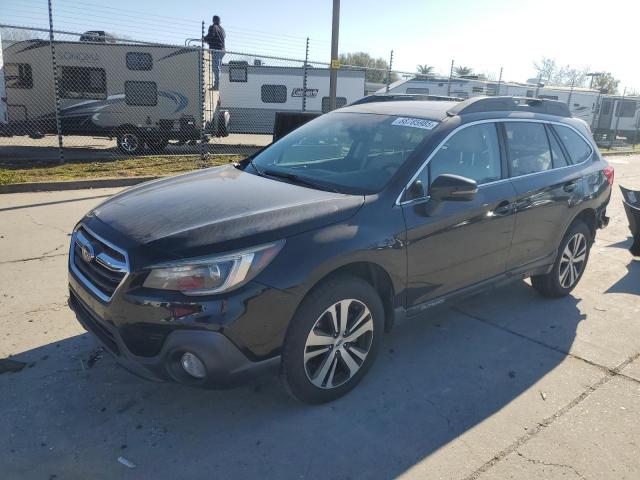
(415, 123)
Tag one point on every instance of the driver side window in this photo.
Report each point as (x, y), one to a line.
(473, 152)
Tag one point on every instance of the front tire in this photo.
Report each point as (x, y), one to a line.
(333, 340)
(570, 263)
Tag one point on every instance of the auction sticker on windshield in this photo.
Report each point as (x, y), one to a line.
(415, 123)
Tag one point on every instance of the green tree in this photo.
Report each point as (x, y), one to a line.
(425, 71)
(606, 83)
(377, 68)
(462, 71)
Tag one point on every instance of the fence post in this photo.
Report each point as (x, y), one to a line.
(56, 91)
(304, 77)
(637, 137)
(203, 94)
(538, 84)
(573, 82)
(499, 83)
(389, 71)
(449, 82)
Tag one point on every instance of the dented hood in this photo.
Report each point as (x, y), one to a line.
(220, 209)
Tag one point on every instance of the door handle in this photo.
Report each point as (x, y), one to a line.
(569, 187)
(503, 208)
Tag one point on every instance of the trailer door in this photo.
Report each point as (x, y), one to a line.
(606, 114)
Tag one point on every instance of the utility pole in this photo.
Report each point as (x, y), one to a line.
(335, 62)
(389, 71)
(499, 83)
(573, 83)
(449, 82)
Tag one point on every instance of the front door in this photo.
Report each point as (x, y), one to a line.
(451, 245)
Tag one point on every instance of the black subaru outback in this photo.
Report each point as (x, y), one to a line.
(301, 256)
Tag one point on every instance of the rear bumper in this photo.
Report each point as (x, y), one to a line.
(226, 365)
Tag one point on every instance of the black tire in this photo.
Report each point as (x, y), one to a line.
(554, 284)
(295, 369)
(157, 144)
(130, 142)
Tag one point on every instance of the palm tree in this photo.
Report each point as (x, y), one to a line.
(463, 71)
(425, 70)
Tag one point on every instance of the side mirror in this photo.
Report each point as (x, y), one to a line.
(453, 188)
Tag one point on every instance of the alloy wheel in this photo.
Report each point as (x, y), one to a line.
(338, 343)
(573, 260)
(130, 142)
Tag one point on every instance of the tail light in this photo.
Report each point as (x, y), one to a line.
(609, 172)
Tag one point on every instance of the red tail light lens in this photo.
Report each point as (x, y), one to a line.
(609, 172)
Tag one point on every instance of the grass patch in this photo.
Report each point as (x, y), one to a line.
(148, 166)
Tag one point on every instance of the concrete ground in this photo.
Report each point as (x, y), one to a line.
(84, 148)
(502, 385)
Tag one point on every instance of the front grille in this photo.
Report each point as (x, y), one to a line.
(100, 265)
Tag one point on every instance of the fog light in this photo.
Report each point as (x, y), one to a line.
(193, 365)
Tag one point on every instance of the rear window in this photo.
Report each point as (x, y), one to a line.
(527, 147)
(579, 150)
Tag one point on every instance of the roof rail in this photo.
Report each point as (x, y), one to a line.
(511, 104)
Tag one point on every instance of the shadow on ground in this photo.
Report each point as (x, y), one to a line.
(436, 378)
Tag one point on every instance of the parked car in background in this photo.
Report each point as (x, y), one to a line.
(301, 256)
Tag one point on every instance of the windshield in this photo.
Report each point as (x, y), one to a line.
(346, 152)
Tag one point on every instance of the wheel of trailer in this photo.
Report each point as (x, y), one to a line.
(157, 143)
(332, 340)
(130, 142)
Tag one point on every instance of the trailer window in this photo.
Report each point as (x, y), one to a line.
(340, 102)
(83, 82)
(548, 97)
(18, 75)
(477, 89)
(139, 61)
(424, 91)
(626, 108)
(140, 94)
(274, 93)
(237, 72)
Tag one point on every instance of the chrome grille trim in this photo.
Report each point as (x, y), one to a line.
(103, 259)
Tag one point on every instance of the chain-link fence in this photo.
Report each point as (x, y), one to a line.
(93, 96)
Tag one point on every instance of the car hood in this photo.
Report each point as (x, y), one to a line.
(220, 209)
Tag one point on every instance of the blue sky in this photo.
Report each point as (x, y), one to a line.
(484, 35)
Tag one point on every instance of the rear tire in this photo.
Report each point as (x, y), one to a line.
(325, 355)
(569, 265)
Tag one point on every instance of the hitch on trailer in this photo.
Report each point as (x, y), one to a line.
(631, 200)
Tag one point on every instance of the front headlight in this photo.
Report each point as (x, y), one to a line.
(216, 274)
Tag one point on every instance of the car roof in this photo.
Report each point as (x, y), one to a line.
(429, 110)
(439, 109)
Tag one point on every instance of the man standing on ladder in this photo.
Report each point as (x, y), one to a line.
(215, 38)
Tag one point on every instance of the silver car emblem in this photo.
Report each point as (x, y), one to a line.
(87, 253)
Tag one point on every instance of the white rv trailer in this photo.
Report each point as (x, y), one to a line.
(254, 93)
(618, 116)
(143, 95)
(582, 101)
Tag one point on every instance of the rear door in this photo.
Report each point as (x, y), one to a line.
(451, 245)
(548, 188)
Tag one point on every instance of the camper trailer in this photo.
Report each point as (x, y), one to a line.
(254, 93)
(582, 101)
(142, 95)
(618, 116)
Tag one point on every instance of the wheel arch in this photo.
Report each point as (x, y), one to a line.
(589, 217)
(374, 275)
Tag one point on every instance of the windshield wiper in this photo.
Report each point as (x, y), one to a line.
(292, 177)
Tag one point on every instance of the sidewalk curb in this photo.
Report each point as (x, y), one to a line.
(73, 184)
(617, 154)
